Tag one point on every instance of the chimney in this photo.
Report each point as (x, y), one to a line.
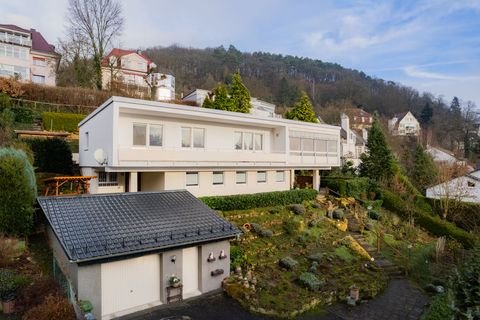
(139, 51)
(346, 125)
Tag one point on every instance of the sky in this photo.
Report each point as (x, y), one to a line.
(431, 45)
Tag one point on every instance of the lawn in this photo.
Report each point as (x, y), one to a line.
(311, 240)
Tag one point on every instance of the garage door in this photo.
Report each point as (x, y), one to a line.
(130, 283)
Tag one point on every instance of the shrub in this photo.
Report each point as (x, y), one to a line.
(375, 215)
(309, 281)
(18, 192)
(288, 263)
(290, 226)
(10, 87)
(52, 155)
(237, 257)
(296, 208)
(259, 200)
(433, 224)
(262, 232)
(56, 121)
(53, 307)
(351, 187)
(275, 210)
(23, 115)
(439, 308)
(338, 214)
(10, 248)
(10, 282)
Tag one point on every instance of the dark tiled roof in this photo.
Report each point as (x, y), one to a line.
(40, 44)
(92, 227)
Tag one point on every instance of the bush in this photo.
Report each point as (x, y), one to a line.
(56, 121)
(291, 226)
(439, 308)
(296, 208)
(10, 248)
(52, 155)
(237, 257)
(18, 192)
(351, 187)
(10, 282)
(23, 115)
(259, 200)
(275, 210)
(288, 263)
(53, 307)
(433, 224)
(29, 296)
(375, 215)
(262, 232)
(309, 281)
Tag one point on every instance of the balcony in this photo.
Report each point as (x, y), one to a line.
(19, 40)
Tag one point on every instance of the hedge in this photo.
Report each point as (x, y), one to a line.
(466, 214)
(432, 224)
(359, 188)
(56, 121)
(259, 200)
(51, 155)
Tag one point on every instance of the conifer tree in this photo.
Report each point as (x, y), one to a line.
(302, 110)
(378, 163)
(424, 171)
(221, 100)
(239, 95)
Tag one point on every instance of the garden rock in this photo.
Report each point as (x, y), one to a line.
(317, 257)
(310, 281)
(338, 214)
(297, 208)
(288, 263)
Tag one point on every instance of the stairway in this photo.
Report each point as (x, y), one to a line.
(391, 269)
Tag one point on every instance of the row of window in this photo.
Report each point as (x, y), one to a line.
(8, 37)
(13, 51)
(248, 141)
(192, 178)
(152, 135)
(8, 70)
(312, 145)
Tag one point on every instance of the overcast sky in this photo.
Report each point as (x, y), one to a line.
(430, 45)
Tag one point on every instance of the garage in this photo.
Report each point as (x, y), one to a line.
(139, 285)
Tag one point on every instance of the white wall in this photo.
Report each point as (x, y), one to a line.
(458, 189)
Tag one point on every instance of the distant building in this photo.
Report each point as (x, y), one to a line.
(133, 68)
(465, 188)
(359, 118)
(404, 124)
(352, 142)
(259, 107)
(26, 54)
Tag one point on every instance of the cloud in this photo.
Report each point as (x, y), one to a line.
(415, 72)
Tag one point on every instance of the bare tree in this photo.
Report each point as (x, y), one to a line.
(99, 22)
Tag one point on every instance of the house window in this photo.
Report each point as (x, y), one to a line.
(107, 179)
(197, 135)
(248, 141)
(470, 184)
(307, 145)
(217, 177)
(192, 178)
(241, 177)
(295, 144)
(139, 134)
(261, 176)
(155, 135)
(87, 141)
(38, 79)
(332, 146)
(39, 62)
(280, 176)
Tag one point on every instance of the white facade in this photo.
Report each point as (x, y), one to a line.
(152, 146)
(404, 125)
(352, 144)
(465, 188)
(26, 55)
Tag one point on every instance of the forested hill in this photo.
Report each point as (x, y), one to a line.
(279, 79)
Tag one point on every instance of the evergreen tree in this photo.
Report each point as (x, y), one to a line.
(302, 110)
(239, 95)
(221, 99)
(207, 103)
(426, 115)
(424, 171)
(378, 163)
(17, 182)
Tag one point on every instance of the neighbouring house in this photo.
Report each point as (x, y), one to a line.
(404, 124)
(443, 156)
(353, 142)
(27, 55)
(465, 188)
(139, 145)
(135, 70)
(359, 118)
(119, 251)
(259, 107)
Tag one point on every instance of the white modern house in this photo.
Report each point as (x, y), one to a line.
(259, 107)
(404, 124)
(27, 55)
(134, 69)
(465, 188)
(137, 145)
(353, 142)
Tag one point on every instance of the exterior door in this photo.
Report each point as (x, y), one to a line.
(130, 283)
(190, 272)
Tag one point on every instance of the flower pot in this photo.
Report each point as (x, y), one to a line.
(8, 307)
(176, 284)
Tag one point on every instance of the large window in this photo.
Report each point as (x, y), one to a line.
(38, 79)
(192, 178)
(280, 176)
(195, 135)
(107, 179)
(139, 134)
(248, 141)
(156, 135)
(261, 176)
(304, 143)
(241, 177)
(217, 177)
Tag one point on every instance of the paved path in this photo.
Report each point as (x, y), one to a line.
(400, 301)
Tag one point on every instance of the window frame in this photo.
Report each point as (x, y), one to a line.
(196, 173)
(213, 178)
(237, 174)
(150, 133)
(191, 144)
(283, 176)
(110, 179)
(139, 124)
(266, 176)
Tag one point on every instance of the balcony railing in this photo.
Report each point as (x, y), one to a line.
(11, 38)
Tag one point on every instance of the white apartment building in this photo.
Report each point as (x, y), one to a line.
(134, 69)
(138, 145)
(27, 55)
(353, 142)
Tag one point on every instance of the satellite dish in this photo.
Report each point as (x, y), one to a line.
(100, 156)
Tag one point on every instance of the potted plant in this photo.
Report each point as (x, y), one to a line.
(174, 281)
(9, 283)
